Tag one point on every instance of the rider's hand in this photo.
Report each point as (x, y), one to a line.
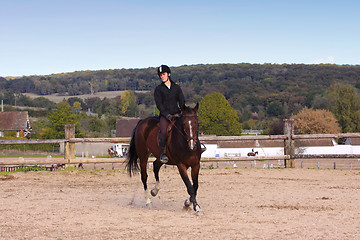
(169, 117)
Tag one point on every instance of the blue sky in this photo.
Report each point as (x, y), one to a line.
(39, 37)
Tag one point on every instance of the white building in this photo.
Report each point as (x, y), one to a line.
(276, 147)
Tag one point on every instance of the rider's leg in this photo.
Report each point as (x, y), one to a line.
(164, 123)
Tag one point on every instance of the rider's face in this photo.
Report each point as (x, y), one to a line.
(164, 76)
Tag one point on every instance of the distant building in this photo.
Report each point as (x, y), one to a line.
(125, 127)
(15, 121)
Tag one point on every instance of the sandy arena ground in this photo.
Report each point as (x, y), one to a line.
(238, 204)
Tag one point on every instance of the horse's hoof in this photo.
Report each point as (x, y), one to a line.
(149, 204)
(187, 203)
(154, 192)
(199, 211)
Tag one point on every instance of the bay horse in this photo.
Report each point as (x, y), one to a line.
(112, 152)
(182, 147)
(253, 153)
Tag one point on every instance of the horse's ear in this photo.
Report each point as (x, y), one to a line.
(196, 108)
(183, 108)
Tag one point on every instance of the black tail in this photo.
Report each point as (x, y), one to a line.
(132, 157)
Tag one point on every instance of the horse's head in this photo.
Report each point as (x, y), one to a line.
(191, 125)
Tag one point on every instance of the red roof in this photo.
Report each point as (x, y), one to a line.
(125, 127)
(13, 120)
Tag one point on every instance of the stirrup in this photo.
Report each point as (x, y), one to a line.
(164, 158)
(203, 148)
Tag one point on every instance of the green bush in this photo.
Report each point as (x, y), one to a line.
(52, 147)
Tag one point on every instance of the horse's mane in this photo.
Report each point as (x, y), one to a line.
(186, 108)
(179, 121)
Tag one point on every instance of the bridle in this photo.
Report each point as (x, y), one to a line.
(190, 138)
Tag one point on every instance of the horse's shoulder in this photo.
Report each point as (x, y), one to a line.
(148, 123)
(148, 120)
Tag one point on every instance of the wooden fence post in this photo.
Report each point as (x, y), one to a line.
(69, 147)
(289, 145)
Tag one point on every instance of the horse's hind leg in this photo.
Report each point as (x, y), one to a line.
(144, 176)
(157, 165)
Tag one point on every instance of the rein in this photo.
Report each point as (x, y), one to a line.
(194, 138)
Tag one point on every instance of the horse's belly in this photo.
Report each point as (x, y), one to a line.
(152, 142)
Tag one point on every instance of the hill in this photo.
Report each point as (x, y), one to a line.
(248, 87)
(263, 78)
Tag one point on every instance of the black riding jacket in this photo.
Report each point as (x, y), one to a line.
(169, 101)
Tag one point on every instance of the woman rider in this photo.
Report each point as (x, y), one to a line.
(169, 99)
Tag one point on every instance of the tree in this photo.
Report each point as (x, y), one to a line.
(77, 106)
(9, 98)
(216, 116)
(347, 107)
(128, 103)
(58, 119)
(277, 128)
(96, 125)
(310, 121)
(72, 100)
(43, 102)
(275, 109)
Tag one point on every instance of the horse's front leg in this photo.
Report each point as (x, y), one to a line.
(195, 176)
(191, 189)
(195, 179)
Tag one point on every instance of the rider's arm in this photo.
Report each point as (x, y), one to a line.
(159, 101)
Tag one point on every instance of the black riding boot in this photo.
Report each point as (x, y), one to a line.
(163, 157)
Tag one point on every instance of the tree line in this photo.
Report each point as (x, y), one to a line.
(216, 115)
(260, 95)
(232, 80)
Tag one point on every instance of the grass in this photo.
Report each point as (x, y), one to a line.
(6, 175)
(23, 169)
(58, 98)
(31, 156)
(31, 169)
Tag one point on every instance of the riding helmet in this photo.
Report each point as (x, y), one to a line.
(162, 69)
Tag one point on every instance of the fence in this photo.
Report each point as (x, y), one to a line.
(287, 160)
